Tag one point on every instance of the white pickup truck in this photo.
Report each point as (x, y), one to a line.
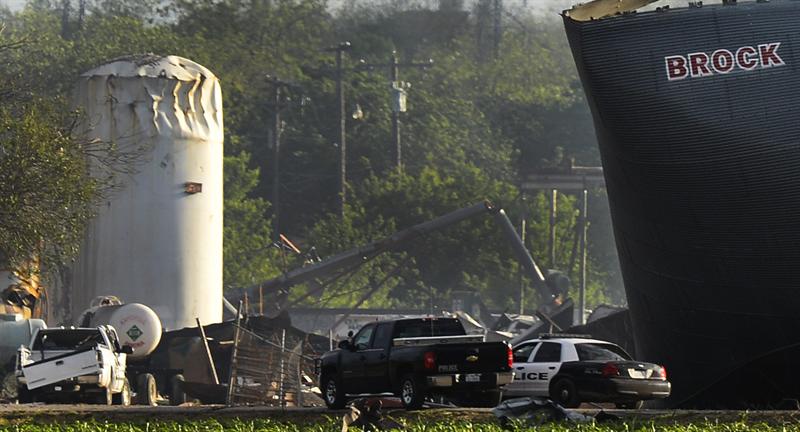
(72, 365)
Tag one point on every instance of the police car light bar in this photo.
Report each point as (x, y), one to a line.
(564, 336)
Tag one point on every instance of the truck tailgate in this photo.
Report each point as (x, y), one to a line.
(60, 368)
(472, 357)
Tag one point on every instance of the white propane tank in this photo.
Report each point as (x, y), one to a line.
(15, 331)
(137, 325)
(157, 239)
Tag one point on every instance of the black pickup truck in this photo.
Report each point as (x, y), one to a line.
(415, 359)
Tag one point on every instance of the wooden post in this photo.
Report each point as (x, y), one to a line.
(208, 352)
(261, 300)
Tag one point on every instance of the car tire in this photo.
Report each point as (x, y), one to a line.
(484, 399)
(630, 405)
(564, 393)
(124, 396)
(146, 390)
(332, 392)
(176, 394)
(412, 394)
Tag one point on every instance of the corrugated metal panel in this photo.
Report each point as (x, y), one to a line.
(702, 175)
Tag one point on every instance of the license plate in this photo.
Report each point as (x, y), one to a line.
(473, 378)
(638, 374)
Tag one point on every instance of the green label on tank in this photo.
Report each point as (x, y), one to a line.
(134, 333)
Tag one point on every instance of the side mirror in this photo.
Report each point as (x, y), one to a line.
(350, 334)
(344, 344)
(126, 349)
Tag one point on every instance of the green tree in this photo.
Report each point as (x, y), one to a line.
(247, 236)
(46, 192)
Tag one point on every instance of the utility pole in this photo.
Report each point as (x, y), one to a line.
(398, 99)
(66, 8)
(397, 107)
(277, 127)
(497, 16)
(276, 155)
(339, 50)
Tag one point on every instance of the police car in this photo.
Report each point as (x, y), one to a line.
(570, 369)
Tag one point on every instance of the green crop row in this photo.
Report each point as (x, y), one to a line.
(331, 425)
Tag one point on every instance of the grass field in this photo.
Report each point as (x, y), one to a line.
(419, 424)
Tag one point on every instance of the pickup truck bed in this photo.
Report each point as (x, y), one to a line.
(416, 359)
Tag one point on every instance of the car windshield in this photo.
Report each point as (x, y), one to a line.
(428, 328)
(67, 340)
(600, 351)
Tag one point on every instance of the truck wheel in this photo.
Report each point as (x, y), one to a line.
(124, 396)
(146, 390)
(411, 392)
(484, 399)
(25, 396)
(176, 393)
(564, 393)
(332, 392)
(629, 405)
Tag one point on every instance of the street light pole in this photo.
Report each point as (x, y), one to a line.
(339, 50)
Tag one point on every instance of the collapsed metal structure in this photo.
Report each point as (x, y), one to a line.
(348, 261)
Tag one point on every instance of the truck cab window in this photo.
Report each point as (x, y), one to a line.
(361, 341)
(383, 336)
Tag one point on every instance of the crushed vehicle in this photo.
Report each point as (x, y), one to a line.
(73, 365)
(571, 369)
(415, 359)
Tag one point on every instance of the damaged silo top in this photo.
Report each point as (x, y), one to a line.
(190, 91)
(153, 66)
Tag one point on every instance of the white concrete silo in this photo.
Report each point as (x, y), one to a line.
(157, 239)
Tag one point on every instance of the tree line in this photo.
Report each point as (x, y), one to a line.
(500, 101)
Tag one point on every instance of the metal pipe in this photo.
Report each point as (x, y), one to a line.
(584, 226)
(228, 306)
(551, 241)
(232, 373)
(522, 253)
